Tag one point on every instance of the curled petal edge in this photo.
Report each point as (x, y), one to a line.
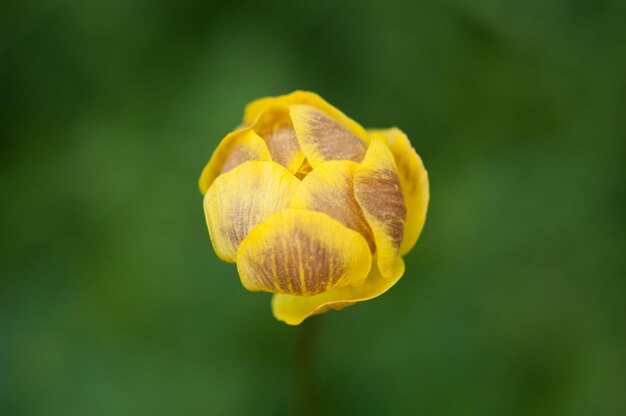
(293, 309)
(237, 147)
(256, 107)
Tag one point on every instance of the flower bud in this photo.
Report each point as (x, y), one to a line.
(311, 206)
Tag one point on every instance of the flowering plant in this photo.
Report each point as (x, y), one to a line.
(311, 206)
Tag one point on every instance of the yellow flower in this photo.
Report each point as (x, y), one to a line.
(311, 206)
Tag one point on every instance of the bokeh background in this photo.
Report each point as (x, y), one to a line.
(112, 301)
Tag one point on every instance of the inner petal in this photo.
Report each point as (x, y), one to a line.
(323, 138)
(275, 126)
(329, 188)
(304, 170)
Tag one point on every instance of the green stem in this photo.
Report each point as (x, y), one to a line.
(305, 366)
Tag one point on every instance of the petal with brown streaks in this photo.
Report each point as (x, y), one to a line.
(377, 190)
(242, 198)
(302, 252)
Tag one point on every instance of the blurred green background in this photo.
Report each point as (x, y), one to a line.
(112, 301)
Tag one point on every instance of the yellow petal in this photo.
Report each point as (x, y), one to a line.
(293, 309)
(234, 149)
(255, 108)
(414, 181)
(378, 192)
(329, 188)
(322, 138)
(302, 252)
(274, 126)
(242, 198)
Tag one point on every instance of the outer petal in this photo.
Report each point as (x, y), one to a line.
(323, 138)
(378, 192)
(302, 252)
(254, 109)
(242, 198)
(329, 188)
(294, 309)
(234, 149)
(414, 181)
(275, 127)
